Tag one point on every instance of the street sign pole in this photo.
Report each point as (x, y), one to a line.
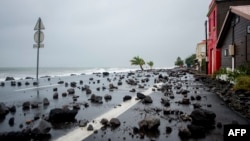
(37, 63)
(38, 37)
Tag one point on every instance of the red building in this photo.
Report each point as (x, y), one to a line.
(216, 16)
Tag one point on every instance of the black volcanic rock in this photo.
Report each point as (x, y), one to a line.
(104, 121)
(132, 90)
(55, 95)
(27, 83)
(126, 97)
(96, 99)
(131, 82)
(165, 101)
(115, 122)
(2, 84)
(197, 131)
(11, 121)
(46, 101)
(13, 109)
(8, 78)
(107, 97)
(73, 84)
(184, 133)
(41, 127)
(83, 123)
(203, 117)
(62, 115)
(60, 82)
(26, 105)
(140, 95)
(105, 73)
(149, 123)
(88, 91)
(71, 91)
(54, 89)
(3, 110)
(90, 127)
(34, 105)
(147, 99)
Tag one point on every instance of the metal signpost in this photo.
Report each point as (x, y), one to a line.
(38, 38)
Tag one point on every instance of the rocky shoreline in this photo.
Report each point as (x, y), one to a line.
(237, 100)
(177, 108)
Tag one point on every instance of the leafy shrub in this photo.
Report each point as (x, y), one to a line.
(242, 82)
(219, 72)
(233, 75)
(244, 69)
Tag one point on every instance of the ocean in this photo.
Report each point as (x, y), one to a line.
(21, 73)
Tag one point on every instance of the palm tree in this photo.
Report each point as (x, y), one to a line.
(150, 63)
(138, 61)
(179, 62)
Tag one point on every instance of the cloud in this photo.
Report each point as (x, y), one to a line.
(100, 33)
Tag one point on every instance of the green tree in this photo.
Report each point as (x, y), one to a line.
(151, 64)
(190, 61)
(138, 61)
(179, 62)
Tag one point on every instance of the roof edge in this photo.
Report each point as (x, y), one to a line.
(235, 10)
(232, 10)
(225, 22)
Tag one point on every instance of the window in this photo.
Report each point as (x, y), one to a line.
(203, 49)
(226, 52)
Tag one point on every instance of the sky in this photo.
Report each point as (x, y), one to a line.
(100, 33)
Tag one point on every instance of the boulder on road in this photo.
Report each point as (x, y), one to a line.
(45, 101)
(126, 97)
(149, 123)
(115, 122)
(203, 117)
(3, 110)
(71, 91)
(62, 115)
(41, 127)
(147, 99)
(140, 95)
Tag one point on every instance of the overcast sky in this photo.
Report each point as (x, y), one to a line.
(100, 33)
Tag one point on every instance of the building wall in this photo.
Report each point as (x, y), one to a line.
(241, 42)
(223, 9)
(212, 36)
(201, 51)
(216, 16)
(226, 59)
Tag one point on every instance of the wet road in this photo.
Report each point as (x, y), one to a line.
(130, 118)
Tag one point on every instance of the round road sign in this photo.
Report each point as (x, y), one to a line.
(36, 35)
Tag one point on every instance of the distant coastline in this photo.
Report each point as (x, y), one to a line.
(22, 72)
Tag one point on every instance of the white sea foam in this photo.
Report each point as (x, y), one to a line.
(21, 73)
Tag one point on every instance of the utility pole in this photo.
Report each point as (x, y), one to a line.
(38, 38)
(206, 47)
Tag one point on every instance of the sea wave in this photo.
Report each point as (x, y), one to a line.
(21, 73)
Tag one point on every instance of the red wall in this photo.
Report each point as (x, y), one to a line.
(213, 52)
